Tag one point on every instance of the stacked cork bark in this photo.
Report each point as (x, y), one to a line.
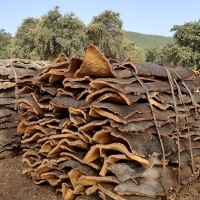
(96, 128)
(11, 71)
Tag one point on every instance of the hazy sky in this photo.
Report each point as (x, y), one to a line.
(144, 16)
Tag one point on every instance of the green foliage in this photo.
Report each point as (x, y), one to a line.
(45, 35)
(105, 31)
(5, 39)
(154, 54)
(187, 38)
(188, 35)
(147, 41)
(185, 51)
(73, 38)
(57, 33)
(53, 33)
(23, 44)
(45, 38)
(132, 51)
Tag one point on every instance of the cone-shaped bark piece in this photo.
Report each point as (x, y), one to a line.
(94, 64)
(61, 58)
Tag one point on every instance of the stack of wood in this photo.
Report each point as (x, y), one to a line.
(96, 128)
(11, 71)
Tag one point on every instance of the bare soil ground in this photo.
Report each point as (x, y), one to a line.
(15, 186)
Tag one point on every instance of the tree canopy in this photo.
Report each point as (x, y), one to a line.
(22, 44)
(105, 31)
(54, 33)
(184, 51)
(48, 36)
(5, 39)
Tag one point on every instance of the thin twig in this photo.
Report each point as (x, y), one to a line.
(159, 134)
(177, 123)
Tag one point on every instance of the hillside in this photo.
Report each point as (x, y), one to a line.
(146, 41)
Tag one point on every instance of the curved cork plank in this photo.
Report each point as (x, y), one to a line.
(34, 137)
(79, 157)
(99, 93)
(41, 104)
(66, 102)
(113, 98)
(32, 158)
(56, 77)
(96, 112)
(67, 192)
(75, 64)
(76, 85)
(108, 189)
(129, 170)
(74, 175)
(53, 177)
(137, 117)
(122, 81)
(67, 92)
(75, 82)
(156, 70)
(32, 105)
(9, 136)
(8, 93)
(5, 112)
(94, 153)
(124, 111)
(151, 188)
(47, 146)
(44, 167)
(91, 190)
(26, 90)
(70, 134)
(110, 160)
(67, 144)
(91, 180)
(140, 126)
(91, 125)
(30, 81)
(103, 137)
(86, 169)
(146, 150)
(121, 71)
(135, 88)
(60, 65)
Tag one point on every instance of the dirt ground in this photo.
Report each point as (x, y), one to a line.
(15, 186)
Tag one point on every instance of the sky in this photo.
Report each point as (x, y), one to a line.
(154, 17)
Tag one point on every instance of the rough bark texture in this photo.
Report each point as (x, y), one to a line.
(99, 129)
(11, 71)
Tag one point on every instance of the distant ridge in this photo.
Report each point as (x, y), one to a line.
(145, 41)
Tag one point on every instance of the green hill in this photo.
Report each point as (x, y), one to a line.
(145, 41)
